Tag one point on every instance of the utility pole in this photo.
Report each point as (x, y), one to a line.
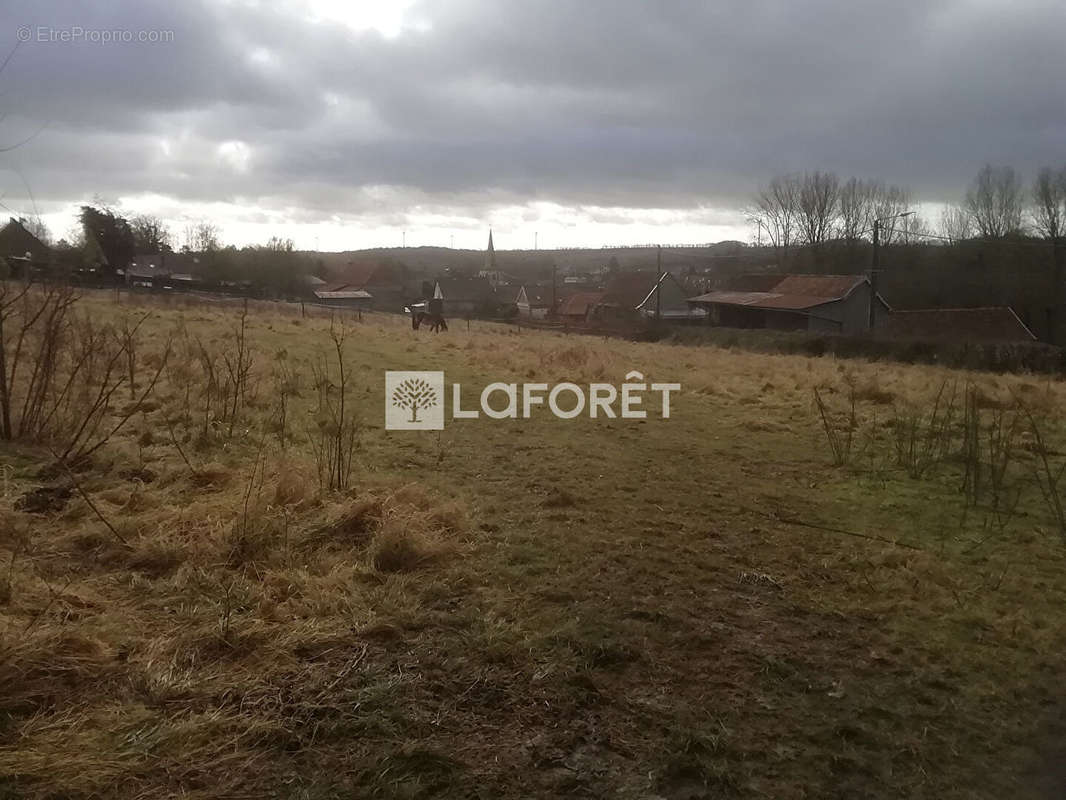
(659, 283)
(874, 270)
(1058, 296)
(875, 267)
(554, 267)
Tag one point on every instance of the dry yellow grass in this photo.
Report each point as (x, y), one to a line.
(523, 608)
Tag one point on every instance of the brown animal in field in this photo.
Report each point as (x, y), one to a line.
(436, 322)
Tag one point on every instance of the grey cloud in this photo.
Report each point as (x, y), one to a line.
(620, 103)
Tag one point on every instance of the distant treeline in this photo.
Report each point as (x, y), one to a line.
(109, 245)
(1001, 245)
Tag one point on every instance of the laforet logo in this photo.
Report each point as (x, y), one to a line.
(415, 394)
(414, 401)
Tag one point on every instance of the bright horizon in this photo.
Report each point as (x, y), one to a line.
(343, 125)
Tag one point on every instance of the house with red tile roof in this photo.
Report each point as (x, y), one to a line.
(382, 279)
(578, 306)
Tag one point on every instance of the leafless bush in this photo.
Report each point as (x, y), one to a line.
(988, 443)
(238, 366)
(286, 387)
(989, 439)
(212, 395)
(924, 438)
(334, 437)
(60, 372)
(840, 437)
(128, 331)
(1048, 471)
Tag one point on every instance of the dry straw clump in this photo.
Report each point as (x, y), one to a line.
(400, 530)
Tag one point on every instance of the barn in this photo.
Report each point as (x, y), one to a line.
(821, 303)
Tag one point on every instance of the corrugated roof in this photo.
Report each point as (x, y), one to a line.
(786, 292)
(786, 302)
(833, 287)
(830, 286)
(754, 282)
(349, 294)
(986, 325)
(146, 271)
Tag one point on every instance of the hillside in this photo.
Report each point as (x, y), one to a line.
(699, 606)
(537, 264)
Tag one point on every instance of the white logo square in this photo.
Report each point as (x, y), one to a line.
(414, 401)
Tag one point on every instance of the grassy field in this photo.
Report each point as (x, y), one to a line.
(700, 606)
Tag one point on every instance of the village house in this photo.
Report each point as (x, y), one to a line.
(498, 278)
(464, 297)
(535, 302)
(576, 308)
(21, 249)
(383, 282)
(647, 295)
(822, 303)
(169, 270)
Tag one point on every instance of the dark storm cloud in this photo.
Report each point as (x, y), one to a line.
(602, 103)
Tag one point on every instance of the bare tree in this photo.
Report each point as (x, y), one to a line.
(856, 208)
(150, 234)
(1049, 219)
(890, 201)
(775, 210)
(1049, 203)
(819, 194)
(955, 224)
(202, 237)
(994, 202)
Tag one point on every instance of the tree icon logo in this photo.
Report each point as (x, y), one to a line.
(414, 401)
(415, 394)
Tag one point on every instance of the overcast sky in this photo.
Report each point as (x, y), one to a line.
(591, 122)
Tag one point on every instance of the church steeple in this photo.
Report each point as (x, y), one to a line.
(490, 254)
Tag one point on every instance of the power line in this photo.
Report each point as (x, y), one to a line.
(1010, 242)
